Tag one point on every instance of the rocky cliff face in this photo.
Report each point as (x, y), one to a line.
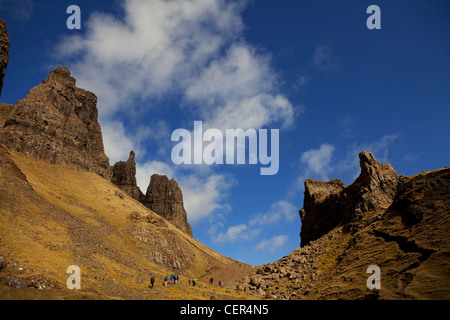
(57, 123)
(123, 175)
(397, 223)
(327, 204)
(165, 198)
(4, 52)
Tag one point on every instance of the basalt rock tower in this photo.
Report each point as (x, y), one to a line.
(57, 123)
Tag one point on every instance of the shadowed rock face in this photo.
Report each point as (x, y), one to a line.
(165, 198)
(124, 176)
(4, 51)
(326, 204)
(57, 123)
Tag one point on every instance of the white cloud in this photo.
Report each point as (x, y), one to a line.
(192, 48)
(241, 87)
(233, 234)
(204, 196)
(156, 48)
(278, 211)
(317, 161)
(117, 143)
(272, 245)
(145, 171)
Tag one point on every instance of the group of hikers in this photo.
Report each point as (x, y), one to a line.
(175, 278)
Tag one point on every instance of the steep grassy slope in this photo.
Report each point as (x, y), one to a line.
(51, 218)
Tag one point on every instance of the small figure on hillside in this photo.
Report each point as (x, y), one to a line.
(195, 282)
(165, 280)
(211, 281)
(152, 282)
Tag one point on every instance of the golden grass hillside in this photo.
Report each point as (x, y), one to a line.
(52, 218)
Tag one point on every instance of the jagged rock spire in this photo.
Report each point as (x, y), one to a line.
(326, 204)
(123, 175)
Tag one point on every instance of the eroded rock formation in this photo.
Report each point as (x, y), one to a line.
(57, 123)
(326, 204)
(123, 175)
(165, 198)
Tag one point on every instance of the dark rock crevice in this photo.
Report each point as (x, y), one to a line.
(406, 245)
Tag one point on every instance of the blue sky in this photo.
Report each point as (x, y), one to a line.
(311, 69)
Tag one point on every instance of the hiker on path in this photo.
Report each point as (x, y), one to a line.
(165, 280)
(152, 282)
(211, 281)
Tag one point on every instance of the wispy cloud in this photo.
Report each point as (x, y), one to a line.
(233, 234)
(380, 148)
(272, 245)
(280, 211)
(302, 81)
(324, 59)
(317, 162)
(345, 127)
